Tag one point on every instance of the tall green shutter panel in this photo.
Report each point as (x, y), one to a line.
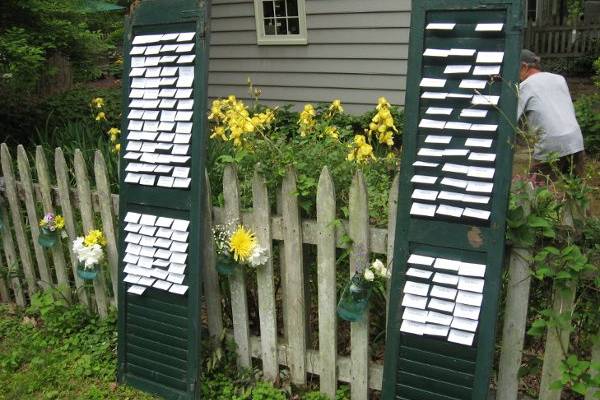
(456, 166)
(161, 199)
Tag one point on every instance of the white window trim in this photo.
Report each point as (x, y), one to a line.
(262, 39)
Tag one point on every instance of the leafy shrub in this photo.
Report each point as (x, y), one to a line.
(587, 109)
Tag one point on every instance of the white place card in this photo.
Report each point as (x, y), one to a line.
(494, 27)
(450, 211)
(167, 59)
(432, 124)
(434, 95)
(471, 198)
(151, 61)
(186, 59)
(176, 278)
(132, 217)
(179, 247)
(457, 69)
(424, 179)
(419, 273)
(458, 183)
(178, 289)
(177, 268)
(147, 230)
(419, 289)
(179, 236)
(132, 278)
(447, 264)
(436, 330)
(484, 127)
(455, 168)
(439, 318)
(460, 337)
(436, 53)
(481, 172)
(420, 260)
(138, 290)
(162, 285)
(464, 324)
(445, 279)
(168, 48)
(460, 96)
(479, 187)
(180, 225)
(425, 164)
(147, 180)
(186, 36)
(185, 48)
(441, 305)
(469, 298)
(440, 26)
(465, 311)
(416, 328)
(164, 254)
(472, 269)
(439, 111)
(443, 292)
(420, 194)
(137, 50)
(425, 152)
(490, 57)
(433, 83)
(412, 301)
(450, 196)
(472, 84)
(473, 113)
(132, 228)
(486, 70)
(477, 214)
(459, 126)
(165, 181)
(438, 139)
(130, 258)
(185, 105)
(414, 314)
(471, 284)
(163, 243)
(167, 37)
(133, 238)
(456, 152)
(476, 142)
(146, 281)
(487, 100)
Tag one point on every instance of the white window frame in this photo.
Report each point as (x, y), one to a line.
(262, 39)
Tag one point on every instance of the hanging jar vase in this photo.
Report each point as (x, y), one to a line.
(225, 265)
(47, 238)
(354, 300)
(87, 273)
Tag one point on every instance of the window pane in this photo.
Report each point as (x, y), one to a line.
(281, 26)
(280, 8)
(268, 9)
(292, 8)
(293, 26)
(269, 26)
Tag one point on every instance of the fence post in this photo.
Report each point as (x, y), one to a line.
(13, 202)
(237, 281)
(267, 312)
(326, 272)
(212, 292)
(515, 315)
(10, 254)
(391, 236)
(64, 197)
(57, 251)
(87, 218)
(108, 224)
(359, 258)
(294, 302)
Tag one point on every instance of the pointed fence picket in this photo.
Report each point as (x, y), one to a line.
(90, 201)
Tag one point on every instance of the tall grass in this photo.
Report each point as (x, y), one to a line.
(85, 137)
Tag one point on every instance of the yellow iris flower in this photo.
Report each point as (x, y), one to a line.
(98, 102)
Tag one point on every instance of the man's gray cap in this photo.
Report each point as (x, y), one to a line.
(529, 57)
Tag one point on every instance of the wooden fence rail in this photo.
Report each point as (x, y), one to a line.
(281, 285)
(563, 41)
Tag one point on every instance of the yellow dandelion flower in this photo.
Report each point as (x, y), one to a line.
(94, 237)
(59, 222)
(242, 243)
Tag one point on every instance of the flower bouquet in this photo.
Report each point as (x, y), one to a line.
(236, 247)
(51, 227)
(355, 297)
(90, 252)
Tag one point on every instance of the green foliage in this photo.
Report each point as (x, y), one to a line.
(579, 376)
(587, 109)
(55, 350)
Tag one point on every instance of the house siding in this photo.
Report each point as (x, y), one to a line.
(356, 52)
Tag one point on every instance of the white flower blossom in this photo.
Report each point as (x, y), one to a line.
(378, 267)
(88, 256)
(259, 256)
(369, 275)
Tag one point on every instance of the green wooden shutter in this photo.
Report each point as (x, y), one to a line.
(449, 259)
(162, 185)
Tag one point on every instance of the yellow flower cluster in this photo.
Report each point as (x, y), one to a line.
(114, 135)
(94, 237)
(307, 120)
(382, 124)
(234, 122)
(242, 243)
(332, 132)
(53, 222)
(98, 102)
(334, 108)
(360, 150)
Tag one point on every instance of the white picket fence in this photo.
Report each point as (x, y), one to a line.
(25, 201)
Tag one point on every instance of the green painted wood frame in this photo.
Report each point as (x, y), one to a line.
(173, 321)
(447, 370)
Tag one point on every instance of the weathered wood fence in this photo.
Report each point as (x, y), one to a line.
(562, 41)
(27, 268)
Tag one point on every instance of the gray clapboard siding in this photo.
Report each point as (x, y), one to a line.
(356, 52)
